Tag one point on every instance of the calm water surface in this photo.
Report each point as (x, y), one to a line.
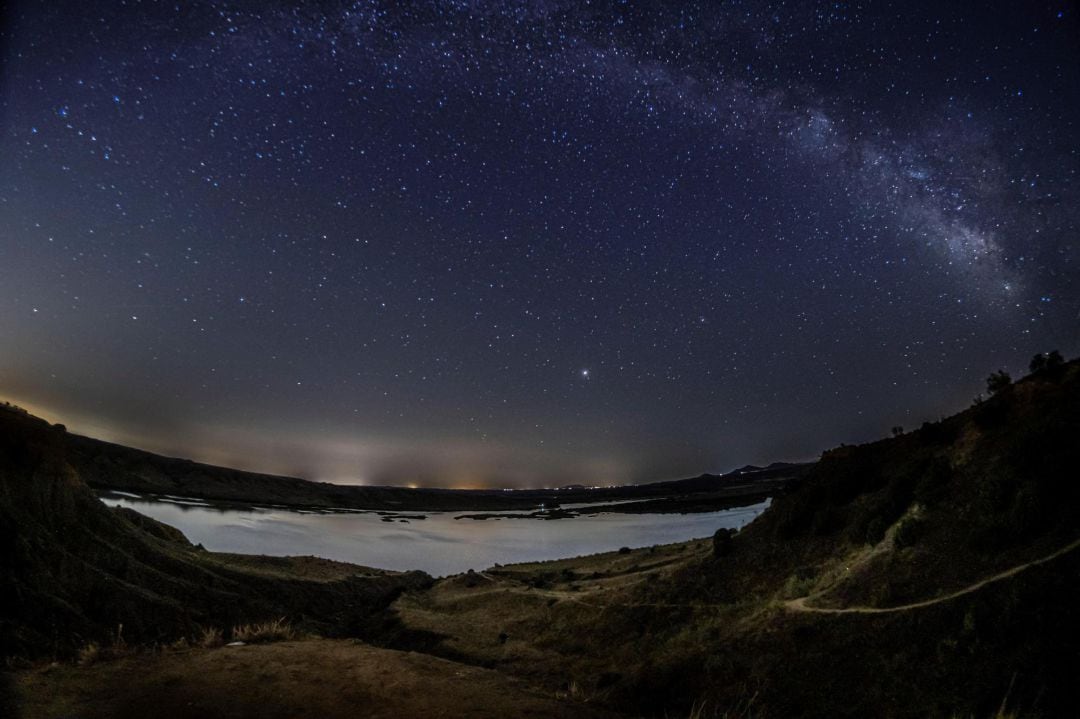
(439, 545)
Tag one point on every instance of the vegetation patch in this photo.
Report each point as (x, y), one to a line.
(276, 630)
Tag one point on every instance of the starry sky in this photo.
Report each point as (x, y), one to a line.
(467, 243)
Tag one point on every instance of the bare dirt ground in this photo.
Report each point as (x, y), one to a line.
(308, 678)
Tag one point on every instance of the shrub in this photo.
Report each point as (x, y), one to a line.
(998, 381)
(907, 533)
(1049, 362)
(721, 542)
(797, 586)
(933, 482)
(875, 530)
(89, 654)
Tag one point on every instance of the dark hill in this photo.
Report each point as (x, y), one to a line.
(73, 571)
(900, 521)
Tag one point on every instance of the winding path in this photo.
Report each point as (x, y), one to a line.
(799, 605)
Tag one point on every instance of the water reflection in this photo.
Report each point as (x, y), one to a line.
(438, 544)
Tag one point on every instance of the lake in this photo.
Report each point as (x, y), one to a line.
(440, 544)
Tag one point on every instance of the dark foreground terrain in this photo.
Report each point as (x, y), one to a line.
(931, 574)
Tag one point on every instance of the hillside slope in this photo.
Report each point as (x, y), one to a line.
(73, 571)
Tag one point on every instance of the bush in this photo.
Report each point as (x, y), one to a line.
(875, 530)
(89, 654)
(934, 482)
(998, 381)
(1049, 362)
(907, 533)
(721, 542)
(797, 585)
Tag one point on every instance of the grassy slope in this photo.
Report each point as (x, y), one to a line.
(896, 521)
(73, 570)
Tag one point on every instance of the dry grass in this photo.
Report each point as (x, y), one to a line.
(327, 679)
(743, 710)
(210, 637)
(94, 652)
(697, 711)
(89, 654)
(277, 630)
(572, 690)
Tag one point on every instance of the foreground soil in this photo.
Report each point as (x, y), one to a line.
(307, 678)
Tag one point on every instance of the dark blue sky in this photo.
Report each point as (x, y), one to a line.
(470, 243)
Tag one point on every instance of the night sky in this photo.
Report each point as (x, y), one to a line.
(530, 243)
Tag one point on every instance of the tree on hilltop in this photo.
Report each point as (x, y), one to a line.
(998, 381)
(1048, 362)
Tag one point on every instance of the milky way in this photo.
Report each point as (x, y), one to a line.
(506, 243)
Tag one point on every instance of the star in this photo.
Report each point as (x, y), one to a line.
(445, 220)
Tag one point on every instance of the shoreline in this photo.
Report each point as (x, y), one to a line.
(701, 503)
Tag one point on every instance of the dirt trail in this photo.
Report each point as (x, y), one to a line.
(799, 605)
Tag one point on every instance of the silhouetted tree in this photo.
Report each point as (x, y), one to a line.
(998, 381)
(1049, 362)
(897, 431)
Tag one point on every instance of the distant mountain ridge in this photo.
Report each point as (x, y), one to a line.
(107, 466)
